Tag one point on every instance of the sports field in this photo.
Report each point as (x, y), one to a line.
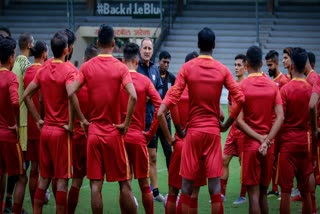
(111, 193)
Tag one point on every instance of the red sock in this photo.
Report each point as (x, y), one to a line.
(54, 187)
(314, 203)
(216, 204)
(171, 204)
(147, 200)
(183, 204)
(193, 206)
(73, 199)
(38, 200)
(33, 183)
(243, 191)
(61, 202)
(223, 183)
(17, 208)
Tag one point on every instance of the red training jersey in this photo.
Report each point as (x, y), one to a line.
(261, 96)
(52, 79)
(144, 89)
(205, 78)
(104, 75)
(9, 105)
(33, 131)
(281, 80)
(294, 136)
(312, 77)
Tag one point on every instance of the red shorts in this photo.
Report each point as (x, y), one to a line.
(79, 156)
(11, 159)
(55, 157)
(33, 150)
(232, 146)
(175, 179)
(107, 155)
(255, 168)
(139, 159)
(316, 160)
(198, 147)
(291, 165)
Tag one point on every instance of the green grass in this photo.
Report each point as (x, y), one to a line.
(111, 193)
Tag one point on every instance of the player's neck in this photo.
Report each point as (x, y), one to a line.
(252, 71)
(240, 78)
(25, 52)
(5, 66)
(277, 73)
(106, 51)
(38, 61)
(163, 72)
(131, 66)
(146, 62)
(62, 58)
(296, 74)
(207, 53)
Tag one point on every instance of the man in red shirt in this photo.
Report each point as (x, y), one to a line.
(295, 143)
(262, 99)
(272, 61)
(79, 141)
(54, 79)
(11, 156)
(205, 78)
(40, 53)
(106, 154)
(232, 147)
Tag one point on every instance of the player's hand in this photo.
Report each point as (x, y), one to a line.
(68, 128)
(84, 125)
(168, 115)
(16, 129)
(40, 124)
(172, 141)
(221, 117)
(147, 136)
(222, 127)
(122, 128)
(263, 138)
(263, 149)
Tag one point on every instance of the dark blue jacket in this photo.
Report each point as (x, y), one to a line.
(152, 72)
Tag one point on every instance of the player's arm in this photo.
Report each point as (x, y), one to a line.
(313, 112)
(41, 106)
(243, 126)
(129, 87)
(175, 114)
(27, 97)
(14, 98)
(237, 97)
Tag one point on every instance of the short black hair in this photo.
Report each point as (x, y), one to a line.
(206, 39)
(24, 40)
(299, 59)
(6, 30)
(7, 48)
(254, 57)
(191, 56)
(58, 43)
(130, 52)
(90, 52)
(105, 35)
(242, 57)
(164, 55)
(38, 49)
(71, 36)
(288, 50)
(273, 55)
(312, 58)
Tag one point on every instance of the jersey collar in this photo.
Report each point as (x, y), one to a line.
(105, 55)
(205, 57)
(277, 76)
(256, 74)
(299, 79)
(3, 69)
(57, 61)
(132, 71)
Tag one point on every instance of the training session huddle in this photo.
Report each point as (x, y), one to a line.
(83, 136)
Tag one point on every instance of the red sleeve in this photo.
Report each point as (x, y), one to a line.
(81, 76)
(14, 96)
(284, 99)
(155, 98)
(175, 115)
(71, 76)
(278, 100)
(176, 90)
(36, 78)
(125, 76)
(236, 94)
(316, 87)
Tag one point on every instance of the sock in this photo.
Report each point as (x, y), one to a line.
(155, 192)
(183, 204)
(61, 201)
(223, 183)
(38, 200)
(73, 199)
(8, 202)
(193, 206)
(216, 204)
(33, 183)
(243, 191)
(17, 208)
(147, 200)
(313, 201)
(170, 206)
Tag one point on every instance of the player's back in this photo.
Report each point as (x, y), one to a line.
(8, 96)
(260, 99)
(53, 78)
(104, 76)
(295, 96)
(205, 78)
(312, 77)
